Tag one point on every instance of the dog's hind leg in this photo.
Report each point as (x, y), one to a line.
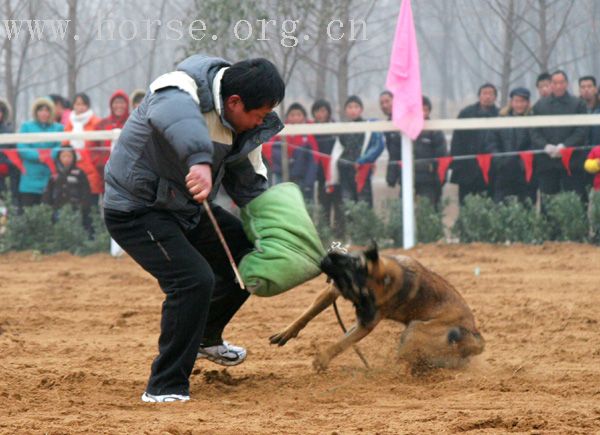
(438, 343)
(353, 336)
(323, 300)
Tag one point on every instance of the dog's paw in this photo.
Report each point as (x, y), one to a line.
(281, 338)
(320, 362)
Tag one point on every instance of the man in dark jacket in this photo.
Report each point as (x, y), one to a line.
(329, 197)
(198, 128)
(509, 171)
(430, 145)
(466, 173)
(393, 142)
(552, 175)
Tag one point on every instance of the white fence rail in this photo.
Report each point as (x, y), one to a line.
(345, 127)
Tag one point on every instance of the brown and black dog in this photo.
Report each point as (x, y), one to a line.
(440, 327)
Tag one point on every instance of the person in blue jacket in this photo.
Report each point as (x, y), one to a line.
(34, 180)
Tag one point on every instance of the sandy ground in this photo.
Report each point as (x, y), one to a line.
(77, 336)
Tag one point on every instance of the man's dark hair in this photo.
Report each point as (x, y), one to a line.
(59, 99)
(560, 71)
(320, 104)
(386, 92)
(296, 106)
(354, 99)
(84, 97)
(485, 86)
(587, 78)
(256, 81)
(427, 103)
(543, 76)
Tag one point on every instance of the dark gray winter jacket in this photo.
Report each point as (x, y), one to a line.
(467, 142)
(180, 123)
(569, 136)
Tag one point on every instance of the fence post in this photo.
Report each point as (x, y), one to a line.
(408, 197)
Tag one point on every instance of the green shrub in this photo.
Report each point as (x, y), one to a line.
(567, 219)
(478, 221)
(68, 232)
(100, 242)
(520, 222)
(362, 223)
(429, 222)
(393, 222)
(32, 230)
(482, 220)
(35, 230)
(430, 225)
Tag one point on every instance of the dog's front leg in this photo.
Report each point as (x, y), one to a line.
(353, 336)
(323, 300)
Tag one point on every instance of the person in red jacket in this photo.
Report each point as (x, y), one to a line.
(119, 113)
(592, 165)
(82, 118)
(302, 151)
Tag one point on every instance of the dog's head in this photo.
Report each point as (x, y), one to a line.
(349, 272)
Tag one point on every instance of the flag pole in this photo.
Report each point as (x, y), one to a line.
(408, 198)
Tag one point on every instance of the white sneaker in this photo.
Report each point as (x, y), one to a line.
(164, 398)
(224, 354)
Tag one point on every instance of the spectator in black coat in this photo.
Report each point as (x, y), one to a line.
(393, 142)
(552, 175)
(329, 197)
(466, 173)
(509, 171)
(429, 145)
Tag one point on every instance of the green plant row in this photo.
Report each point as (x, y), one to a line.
(564, 218)
(36, 230)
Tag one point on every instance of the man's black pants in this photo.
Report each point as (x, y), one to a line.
(193, 271)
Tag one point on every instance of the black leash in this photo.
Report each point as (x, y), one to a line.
(355, 347)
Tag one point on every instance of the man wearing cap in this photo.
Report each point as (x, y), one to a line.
(509, 171)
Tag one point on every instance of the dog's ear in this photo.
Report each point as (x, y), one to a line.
(372, 253)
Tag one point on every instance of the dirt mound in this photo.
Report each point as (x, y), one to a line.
(77, 336)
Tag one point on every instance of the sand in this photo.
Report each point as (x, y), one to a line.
(77, 336)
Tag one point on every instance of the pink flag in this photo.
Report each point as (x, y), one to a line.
(404, 76)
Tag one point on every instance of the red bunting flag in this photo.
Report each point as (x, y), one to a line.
(362, 173)
(46, 158)
(443, 165)
(527, 157)
(566, 154)
(15, 159)
(325, 161)
(485, 161)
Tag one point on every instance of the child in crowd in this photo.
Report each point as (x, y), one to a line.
(69, 186)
